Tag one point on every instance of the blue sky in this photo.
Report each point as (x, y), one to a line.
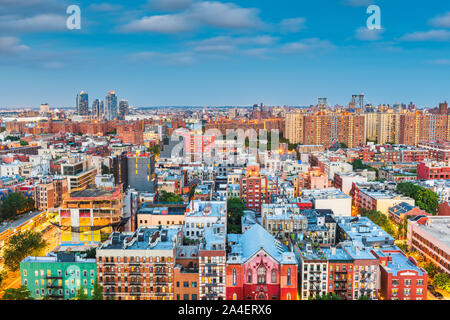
(194, 52)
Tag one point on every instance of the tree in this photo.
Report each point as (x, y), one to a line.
(156, 150)
(425, 199)
(98, 291)
(20, 246)
(364, 298)
(91, 253)
(105, 169)
(235, 208)
(14, 204)
(329, 296)
(12, 138)
(442, 281)
(169, 197)
(379, 219)
(431, 269)
(21, 293)
(81, 295)
(23, 143)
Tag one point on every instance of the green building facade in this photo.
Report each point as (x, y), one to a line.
(58, 277)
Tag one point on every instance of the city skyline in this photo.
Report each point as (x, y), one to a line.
(173, 53)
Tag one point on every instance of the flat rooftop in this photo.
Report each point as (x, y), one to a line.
(93, 193)
(142, 239)
(439, 228)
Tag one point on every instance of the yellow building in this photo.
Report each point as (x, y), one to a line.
(90, 215)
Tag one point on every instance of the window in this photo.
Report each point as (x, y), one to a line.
(186, 285)
(274, 276)
(289, 276)
(186, 297)
(407, 282)
(249, 276)
(234, 277)
(194, 284)
(261, 275)
(420, 282)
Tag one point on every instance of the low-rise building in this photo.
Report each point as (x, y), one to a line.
(431, 237)
(400, 277)
(59, 276)
(139, 265)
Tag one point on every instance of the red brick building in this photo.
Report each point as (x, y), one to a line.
(400, 277)
(433, 170)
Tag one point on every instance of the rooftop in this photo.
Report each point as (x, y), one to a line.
(362, 229)
(142, 239)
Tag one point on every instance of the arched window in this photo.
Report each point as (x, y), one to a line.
(234, 277)
(274, 275)
(261, 275)
(289, 276)
(249, 276)
(288, 296)
(234, 296)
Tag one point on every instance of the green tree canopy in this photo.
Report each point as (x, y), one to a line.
(425, 199)
(329, 296)
(235, 208)
(165, 196)
(98, 291)
(21, 293)
(20, 246)
(15, 203)
(379, 219)
(105, 169)
(442, 281)
(431, 269)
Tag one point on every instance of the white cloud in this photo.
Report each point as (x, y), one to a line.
(292, 25)
(207, 13)
(225, 15)
(11, 45)
(306, 45)
(432, 35)
(365, 34)
(38, 23)
(160, 24)
(229, 44)
(442, 21)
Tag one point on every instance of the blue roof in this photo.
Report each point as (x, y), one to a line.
(257, 238)
(339, 255)
(399, 263)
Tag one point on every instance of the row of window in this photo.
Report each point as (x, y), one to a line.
(59, 273)
(407, 282)
(134, 259)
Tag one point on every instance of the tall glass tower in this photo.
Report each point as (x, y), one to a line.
(111, 106)
(123, 109)
(98, 109)
(82, 104)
